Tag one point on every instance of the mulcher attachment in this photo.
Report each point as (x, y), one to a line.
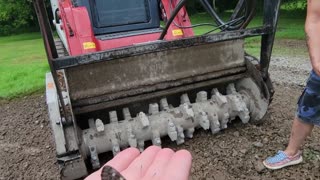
(213, 113)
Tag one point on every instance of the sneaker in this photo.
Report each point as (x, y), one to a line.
(281, 160)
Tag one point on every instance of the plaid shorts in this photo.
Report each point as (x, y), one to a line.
(309, 103)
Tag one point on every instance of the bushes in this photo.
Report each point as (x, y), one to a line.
(16, 16)
(222, 5)
(194, 6)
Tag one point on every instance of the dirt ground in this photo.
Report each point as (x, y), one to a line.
(27, 150)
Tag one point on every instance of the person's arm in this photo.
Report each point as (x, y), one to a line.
(312, 29)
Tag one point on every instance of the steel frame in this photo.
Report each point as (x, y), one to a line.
(267, 31)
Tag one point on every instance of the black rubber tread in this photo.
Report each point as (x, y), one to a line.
(62, 51)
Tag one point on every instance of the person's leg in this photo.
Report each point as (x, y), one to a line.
(308, 115)
(292, 155)
(299, 132)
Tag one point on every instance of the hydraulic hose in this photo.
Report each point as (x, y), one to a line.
(238, 20)
(173, 15)
(243, 6)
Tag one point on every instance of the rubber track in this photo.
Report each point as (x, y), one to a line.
(62, 51)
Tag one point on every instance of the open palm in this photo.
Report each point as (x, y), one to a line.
(153, 163)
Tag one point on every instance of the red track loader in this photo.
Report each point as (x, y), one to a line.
(130, 72)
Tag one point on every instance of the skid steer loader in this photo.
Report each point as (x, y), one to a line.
(129, 72)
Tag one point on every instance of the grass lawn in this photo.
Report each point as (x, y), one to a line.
(23, 61)
(22, 65)
(289, 27)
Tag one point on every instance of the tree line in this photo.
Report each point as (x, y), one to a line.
(17, 16)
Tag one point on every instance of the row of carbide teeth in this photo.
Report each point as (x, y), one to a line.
(180, 122)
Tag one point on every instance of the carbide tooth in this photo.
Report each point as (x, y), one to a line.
(185, 99)
(94, 157)
(243, 111)
(132, 141)
(180, 139)
(215, 91)
(189, 132)
(172, 133)
(164, 106)
(153, 109)
(224, 120)
(219, 98)
(187, 111)
(203, 120)
(99, 126)
(115, 149)
(239, 106)
(231, 89)
(132, 138)
(156, 138)
(126, 113)
(144, 120)
(115, 145)
(235, 104)
(91, 123)
(202, 96)
(244, 116)
(113, 117)
(214, 123)
(141, 145)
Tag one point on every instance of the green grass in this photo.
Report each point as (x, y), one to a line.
(20, 37)
(289, 27)
(22, 65)
(23, 61)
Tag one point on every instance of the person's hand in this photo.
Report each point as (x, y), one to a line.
(153, 163)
